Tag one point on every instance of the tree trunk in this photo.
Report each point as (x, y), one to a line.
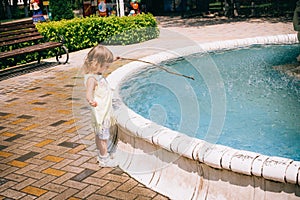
(15, 12)
(8, 11)
(15, 4)
(26, 8)
(183, 7)
(203, 6)
(2, 10)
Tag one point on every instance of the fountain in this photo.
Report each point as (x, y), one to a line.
(293, 69)
(184, 167)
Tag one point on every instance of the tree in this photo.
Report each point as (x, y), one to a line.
(204, 8)
(15, 10)
(2, 10)
(61, 9)
(7, 8)
(26, 8)
(77, 4)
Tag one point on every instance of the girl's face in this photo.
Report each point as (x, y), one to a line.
(102, 69)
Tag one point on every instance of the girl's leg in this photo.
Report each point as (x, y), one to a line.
(101, 140)
(103, 156)
(101, 146)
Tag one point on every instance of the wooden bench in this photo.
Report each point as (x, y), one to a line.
(19, 38)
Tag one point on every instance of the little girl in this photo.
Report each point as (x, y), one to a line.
(99, 96)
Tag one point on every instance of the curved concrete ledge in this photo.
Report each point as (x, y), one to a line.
(182, 167)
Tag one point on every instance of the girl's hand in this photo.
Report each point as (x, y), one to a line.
(93, 103)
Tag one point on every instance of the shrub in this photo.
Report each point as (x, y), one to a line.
(81, 33)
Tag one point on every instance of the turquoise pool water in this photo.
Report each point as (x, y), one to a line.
(262, 105)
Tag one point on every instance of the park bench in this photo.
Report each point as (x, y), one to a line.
(22, 37)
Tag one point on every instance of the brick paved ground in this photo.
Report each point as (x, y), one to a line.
(42, 156)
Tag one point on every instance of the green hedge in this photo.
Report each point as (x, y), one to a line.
(82, 33)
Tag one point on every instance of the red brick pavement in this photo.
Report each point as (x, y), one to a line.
(41, 154)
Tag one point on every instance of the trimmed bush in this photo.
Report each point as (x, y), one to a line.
(82, 33)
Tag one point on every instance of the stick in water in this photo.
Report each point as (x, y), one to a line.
(163, 68)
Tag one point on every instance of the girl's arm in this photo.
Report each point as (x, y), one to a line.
(90, 87)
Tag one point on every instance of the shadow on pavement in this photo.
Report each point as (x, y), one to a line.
(177, 21)
(24, 69)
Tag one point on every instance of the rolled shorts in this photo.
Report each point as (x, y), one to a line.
(102, 134)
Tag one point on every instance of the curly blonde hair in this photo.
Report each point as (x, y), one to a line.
(97, 57)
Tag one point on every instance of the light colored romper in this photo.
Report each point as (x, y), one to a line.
(101, 114)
